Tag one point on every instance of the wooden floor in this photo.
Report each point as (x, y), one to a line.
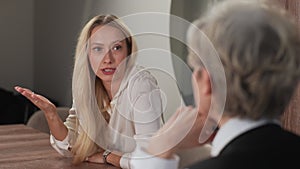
(22, 147)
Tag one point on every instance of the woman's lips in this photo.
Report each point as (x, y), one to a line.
(108, 71)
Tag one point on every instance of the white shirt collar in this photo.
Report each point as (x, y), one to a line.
(233, 128)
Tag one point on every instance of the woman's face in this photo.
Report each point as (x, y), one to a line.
(107, 50)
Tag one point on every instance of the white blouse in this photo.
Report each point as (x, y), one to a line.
(135, 109)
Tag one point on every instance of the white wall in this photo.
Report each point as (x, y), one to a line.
(16, 43)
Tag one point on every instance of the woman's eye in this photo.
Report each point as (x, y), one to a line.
(97, 49)
(117, 47)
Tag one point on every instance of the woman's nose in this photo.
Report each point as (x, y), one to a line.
(108, 58)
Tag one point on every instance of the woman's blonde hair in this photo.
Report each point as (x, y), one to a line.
(89, 94)
(259, 47)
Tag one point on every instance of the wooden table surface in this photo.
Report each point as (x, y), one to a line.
(22, 147)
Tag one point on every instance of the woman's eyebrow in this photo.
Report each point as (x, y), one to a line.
(97, 43)
(102, 44)
(116, 41)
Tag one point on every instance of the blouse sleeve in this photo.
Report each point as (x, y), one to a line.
(63, 147)
(147, 104)
(146, 161)
(145, 97)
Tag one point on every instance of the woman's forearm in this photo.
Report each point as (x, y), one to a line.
(56, 126)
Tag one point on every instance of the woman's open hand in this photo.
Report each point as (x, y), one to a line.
(40, 101)
(56, 125)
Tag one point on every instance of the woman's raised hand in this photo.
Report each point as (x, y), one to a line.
(40, 101)
(56, 125)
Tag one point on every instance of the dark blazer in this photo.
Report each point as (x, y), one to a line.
(265, 147)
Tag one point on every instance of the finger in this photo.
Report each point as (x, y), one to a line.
(38, 100)
(42, 98)
(21, 90)
(41, 102)
(24, 91)
(30, 95)
(34, 98)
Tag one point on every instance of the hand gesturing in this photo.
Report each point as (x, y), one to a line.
(40, 101)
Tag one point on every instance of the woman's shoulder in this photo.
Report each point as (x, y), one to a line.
(141, 81)
(138, 79)
(141, 74)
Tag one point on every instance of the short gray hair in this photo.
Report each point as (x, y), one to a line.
(259, 47)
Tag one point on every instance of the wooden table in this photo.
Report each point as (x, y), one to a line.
(22, 147)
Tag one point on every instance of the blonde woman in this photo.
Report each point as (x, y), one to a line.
(113, 99)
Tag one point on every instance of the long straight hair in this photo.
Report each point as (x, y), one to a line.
(86, 86)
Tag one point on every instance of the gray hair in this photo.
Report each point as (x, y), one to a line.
(259, 47)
